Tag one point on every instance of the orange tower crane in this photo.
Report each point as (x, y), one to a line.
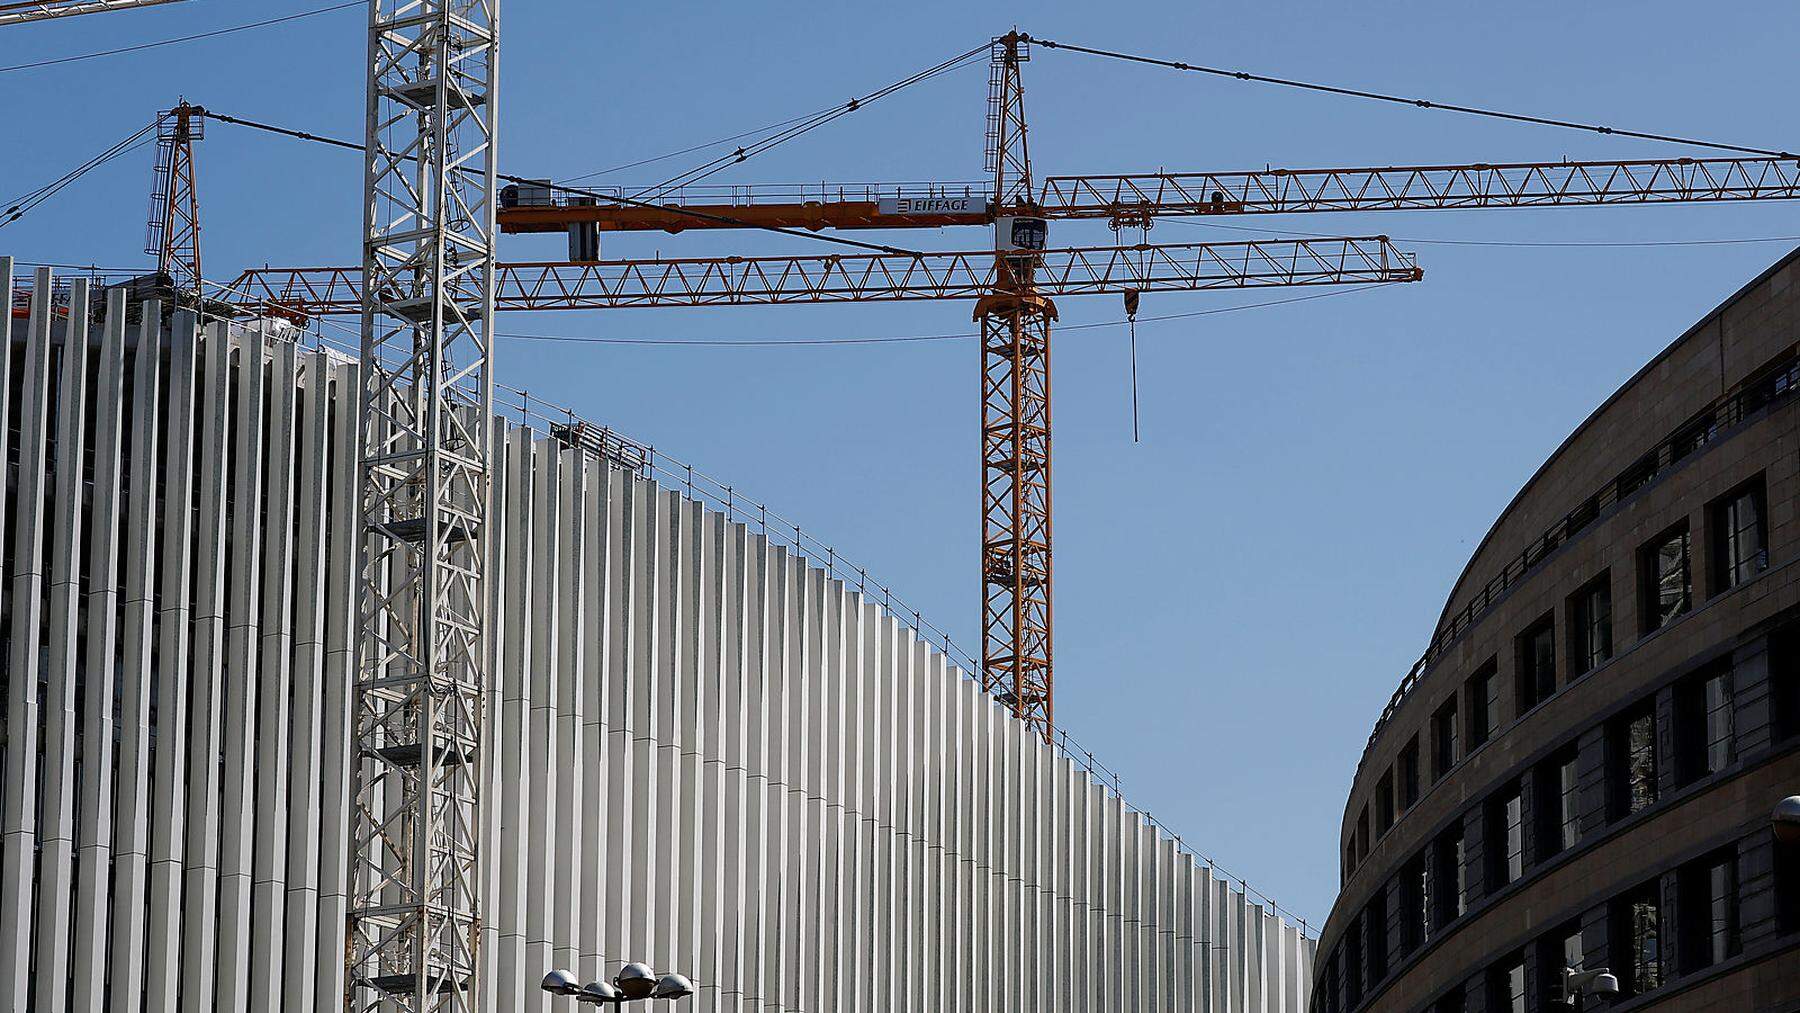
(1013, 285)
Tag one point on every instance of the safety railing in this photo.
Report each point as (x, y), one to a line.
(740, 195)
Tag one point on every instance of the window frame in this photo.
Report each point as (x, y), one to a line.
(1622, 801)
(1590, 609)
(1558, 778)
(1483, 689)
(1445, 751)
(1507, 992)
(1406, 770)
(1705, 886)
(1651, 612)
(1628, 958)
(1503, 842)
(1534, 664)
(1732, 564)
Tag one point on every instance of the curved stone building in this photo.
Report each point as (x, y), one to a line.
(1580, 771)
(706, 751)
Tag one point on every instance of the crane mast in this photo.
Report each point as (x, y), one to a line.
(173, 233)
(423, 656)
(1014, 320)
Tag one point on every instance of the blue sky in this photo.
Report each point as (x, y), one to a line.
(1238, 593)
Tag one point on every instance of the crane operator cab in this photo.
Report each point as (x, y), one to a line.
(1020, 240)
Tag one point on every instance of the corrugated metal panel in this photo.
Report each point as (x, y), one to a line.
(707, 754)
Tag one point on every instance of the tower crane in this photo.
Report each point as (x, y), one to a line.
(1013, 285)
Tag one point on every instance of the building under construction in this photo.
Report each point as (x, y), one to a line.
(705, 750)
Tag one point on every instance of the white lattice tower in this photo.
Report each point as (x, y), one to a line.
(422, 651)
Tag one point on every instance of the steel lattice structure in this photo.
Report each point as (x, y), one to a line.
(44, 10)
(1421, 187)
(173, 234)
(745, 281)
(422, 651)
(1015, 430)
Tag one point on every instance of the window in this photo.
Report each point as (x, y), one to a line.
(1384, 804)
(1505, 838)
(1555, 803)
(1559, 949)
(1784, 682)
(1590, 626)
(1362, 832)
(1631, 754)
(1506, 985)
(1739, 537)
(1452, 1002)
(1443, 731)
(1484, 704)
(1637, 938)
(1448, 886)
(1787, 885)
(1415, 913)
(1375, 923)
(1709, 910)
(1353, 964)
(1668, 583)
(1349, 857)
(1409, 774)
(1704, 724)
(1536, 649)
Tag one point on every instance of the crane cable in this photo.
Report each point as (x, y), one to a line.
(1402, 100)
(336, 142)
(30, 201)
(184, 38)
(813, 122)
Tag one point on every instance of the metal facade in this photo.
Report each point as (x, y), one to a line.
(704, 752)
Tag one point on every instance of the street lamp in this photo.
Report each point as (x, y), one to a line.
(1598, 982)
(1786, 818)
(634, 981)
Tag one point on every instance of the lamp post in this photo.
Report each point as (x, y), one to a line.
(633, 982)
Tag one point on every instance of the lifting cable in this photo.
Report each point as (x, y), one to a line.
(20, 207)
(578, 191)
(1402, 100)
(808, 123)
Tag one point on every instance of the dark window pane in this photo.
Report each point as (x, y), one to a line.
(1637, 927)
(1719, 722)
(1536, 665)
(1590, 626)
(1739, 540)
(1444, 734)
(1722, 909)
(1409, 774)
(1632, 756)
(1506, 986)
(1484, 705)
(1505, 839)
(1555, 804)
(1668, 581)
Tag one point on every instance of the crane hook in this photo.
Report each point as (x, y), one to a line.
(1131, 309)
